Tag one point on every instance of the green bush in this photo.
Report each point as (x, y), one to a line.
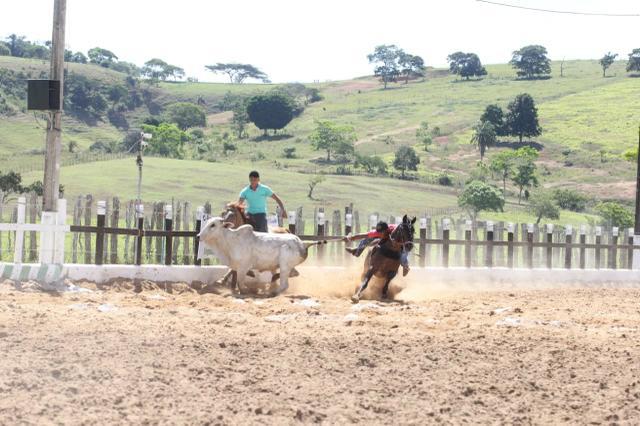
(568, 199)
(615, 214)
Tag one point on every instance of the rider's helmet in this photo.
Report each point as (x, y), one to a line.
(382, 227)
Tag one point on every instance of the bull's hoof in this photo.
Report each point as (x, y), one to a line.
(355, 298)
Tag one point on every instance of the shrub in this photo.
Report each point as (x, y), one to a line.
(568, 199)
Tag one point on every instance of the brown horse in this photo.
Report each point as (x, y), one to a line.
(383, 260)
(235, 213)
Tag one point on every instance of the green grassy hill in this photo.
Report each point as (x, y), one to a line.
(588, 121)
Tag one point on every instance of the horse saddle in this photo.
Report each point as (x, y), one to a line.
(386, 252)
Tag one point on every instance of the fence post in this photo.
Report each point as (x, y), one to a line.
(47, 238)
(292, 222)
(320, 231)
(87, 222)
(568, 252)
(549, 248)
(102, 210)
(59, 236)
(529, 260)
(19, 241)
(489, 251)
(445, 242)
(467, 244)
(423, 243)
(630, 249)
(139, 238)
(636, 253)
(196, 240)
(598, 242)
(583, 241)
(613, 249)
(168, 226)
(115, 221)
(510, 228)
(348, 223)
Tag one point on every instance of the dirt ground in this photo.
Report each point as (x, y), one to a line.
(165, 354)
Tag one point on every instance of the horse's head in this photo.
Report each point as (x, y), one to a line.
(234, 213)
(405, 231)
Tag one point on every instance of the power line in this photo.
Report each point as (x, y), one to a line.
(567, 12)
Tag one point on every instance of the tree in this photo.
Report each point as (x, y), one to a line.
(186, 115)
(406, 159)
(238, 73)
(101, 56)
(10, 183)
(270, 111)
(240, 119)
(17, 45)
(478, 196)
(156, 69)
(466, 65)
(371, 164)
(606, 61)
(543, 204)
(424, 136)
(525, 170)
(502, 164)
(522, 117)
(386, 58)
(410, 66)
(333, 138)
(570, 200)
(79, 57)
(484, 136)
(531, 62)
(4, 49)
(615, 214)
(634, 61)
(313, 182)
(494, 115)
(168, 140)
(289, 152)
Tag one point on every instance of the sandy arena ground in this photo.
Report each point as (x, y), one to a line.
(168, 355)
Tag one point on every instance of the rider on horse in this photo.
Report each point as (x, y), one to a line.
(256, 194)
(380, 233)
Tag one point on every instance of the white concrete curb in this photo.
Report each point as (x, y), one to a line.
(537, 278)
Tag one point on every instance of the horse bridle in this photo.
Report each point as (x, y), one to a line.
(409, 232)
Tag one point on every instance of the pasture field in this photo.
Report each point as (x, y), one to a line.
(218, 183)
(169, 355)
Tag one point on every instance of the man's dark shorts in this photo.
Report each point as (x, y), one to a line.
(260, 220)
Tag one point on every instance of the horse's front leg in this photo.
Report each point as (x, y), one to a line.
(390, 276)
(365, 282)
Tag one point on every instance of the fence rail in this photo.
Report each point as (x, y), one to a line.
(117, 232)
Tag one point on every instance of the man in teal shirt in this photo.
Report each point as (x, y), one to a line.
(255, 195)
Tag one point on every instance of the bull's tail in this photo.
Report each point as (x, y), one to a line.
(308, 244)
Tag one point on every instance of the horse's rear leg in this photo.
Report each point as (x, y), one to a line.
(365, 282)
(385, 289)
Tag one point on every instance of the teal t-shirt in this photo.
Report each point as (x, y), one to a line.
(257, 200)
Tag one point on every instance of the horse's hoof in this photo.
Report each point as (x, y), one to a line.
(355, 299)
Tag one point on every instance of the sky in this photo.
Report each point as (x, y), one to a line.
(311, 40)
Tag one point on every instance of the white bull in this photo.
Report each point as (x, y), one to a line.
(243, 250)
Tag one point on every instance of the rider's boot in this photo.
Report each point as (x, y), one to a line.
(352, 250)
(405, 270)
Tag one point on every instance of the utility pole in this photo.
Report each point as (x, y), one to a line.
(636, 228)
(54, 125)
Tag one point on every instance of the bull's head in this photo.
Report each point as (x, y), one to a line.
(212, 229)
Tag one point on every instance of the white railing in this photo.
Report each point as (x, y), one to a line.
(52, 229)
